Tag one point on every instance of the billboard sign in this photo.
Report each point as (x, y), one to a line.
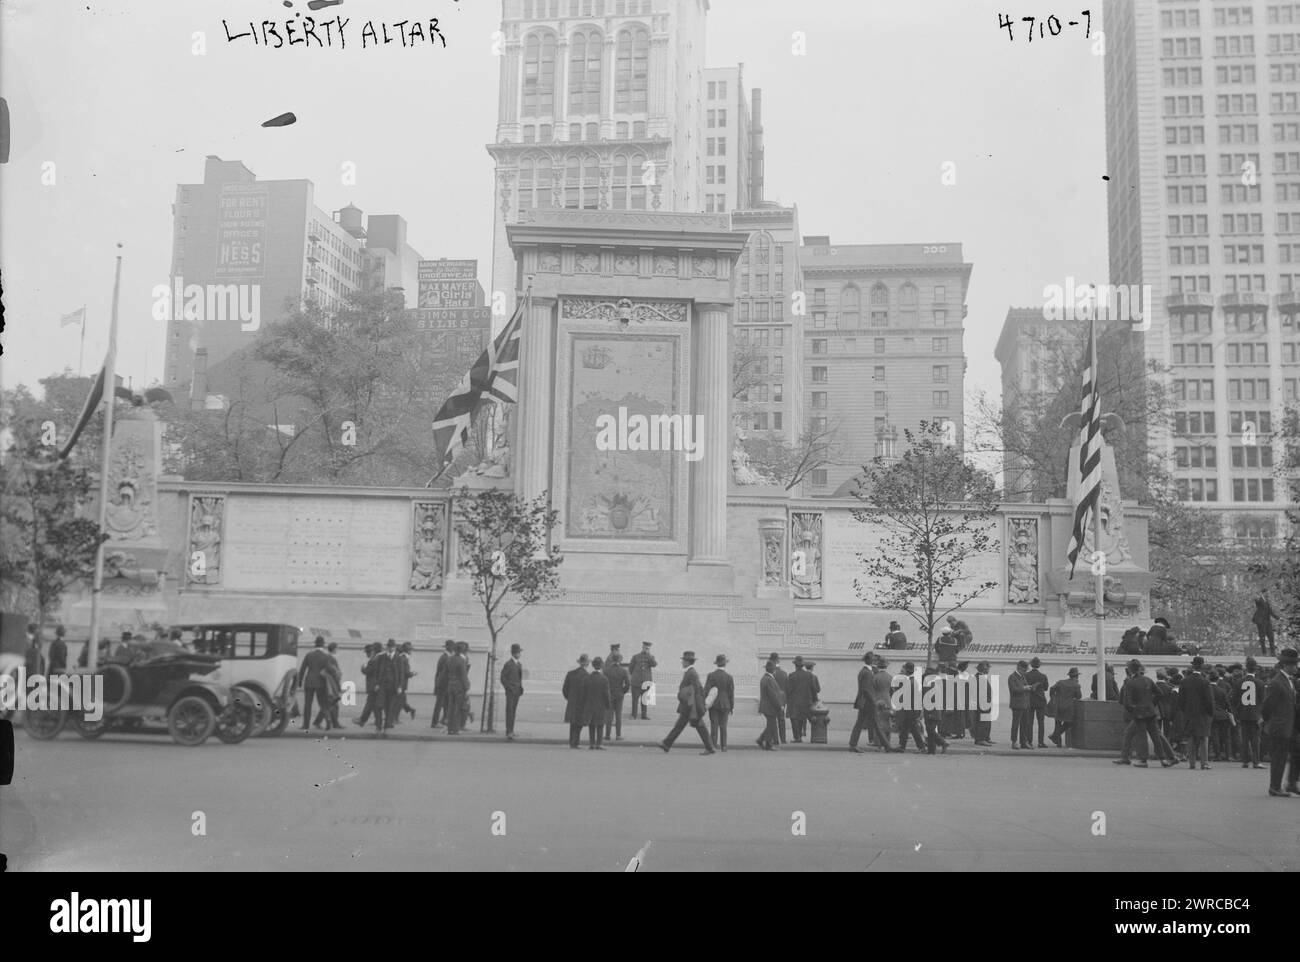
(448, 284)
(242, 212)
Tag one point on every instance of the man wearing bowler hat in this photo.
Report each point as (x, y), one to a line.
(575, 697)
(865, 704)
(690, 706)
(512, 680)
(783, 681)
(1196, 702)
(723, 702)
(641, 668)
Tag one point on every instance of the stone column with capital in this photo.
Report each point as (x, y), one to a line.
(537, 370)
(709, 474)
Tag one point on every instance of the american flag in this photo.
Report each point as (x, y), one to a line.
(495, 374)
(1089, 449)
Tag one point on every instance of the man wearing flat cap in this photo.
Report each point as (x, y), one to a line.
(724, 701)
(641, 669)
(690, 706)
(1278, 712)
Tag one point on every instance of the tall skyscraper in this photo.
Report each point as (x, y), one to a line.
(883, 333)
(269, 238)
(726, 139)
(600, 109)
(1203, 152)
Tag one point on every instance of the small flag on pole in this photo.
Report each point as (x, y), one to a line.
(76, 317)
(495, 374)
(1089, 450)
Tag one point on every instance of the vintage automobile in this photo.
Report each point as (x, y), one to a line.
(157, 683)
(13, 648)
(259, 657)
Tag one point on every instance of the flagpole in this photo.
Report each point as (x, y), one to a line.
(110, 385)
(1099, 612)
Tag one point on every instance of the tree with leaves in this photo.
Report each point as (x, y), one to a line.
(771, 455)
(48, 545)
(937, 513)
(1286, 573)
(506, 551)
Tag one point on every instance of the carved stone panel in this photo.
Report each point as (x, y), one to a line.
(623, 310)
(806, 554)
(428, 539)
(1022, 561)
(771, 536)
(203, 559)
(131, 488)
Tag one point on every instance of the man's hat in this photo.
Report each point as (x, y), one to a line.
(720, 660)
(392, 642)
(1135, 664)
(462, 646)
(1022, 663)
(515, 649)
(893, 624)
(868, 657)
(962, 665)
(613, 647)
(320, 641)
(449, 645)
(645, 644)
(1073, 672)
(810, 664)
(598, 662)
(1198, 662)
(774, 658)
(688, 656)
(1288, 656)
(1035, 663)
(583, 659)
(1251, 663)
(1162, 621)
(982, 664)
(909, 667)
(945, 630)
(408, 646)
(798, 659)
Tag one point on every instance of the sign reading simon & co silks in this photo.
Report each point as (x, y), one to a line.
(452, 319)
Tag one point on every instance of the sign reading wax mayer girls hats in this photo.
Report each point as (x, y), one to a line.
(449, 284)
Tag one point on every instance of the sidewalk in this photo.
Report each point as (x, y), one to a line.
(542, 723)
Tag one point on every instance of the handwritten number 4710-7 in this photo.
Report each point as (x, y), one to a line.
(1051, 25)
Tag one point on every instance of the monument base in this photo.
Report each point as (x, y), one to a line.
(1098, 726)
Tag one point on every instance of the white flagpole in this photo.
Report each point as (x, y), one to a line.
(110, 383)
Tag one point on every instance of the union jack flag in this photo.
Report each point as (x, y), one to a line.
(494, 375)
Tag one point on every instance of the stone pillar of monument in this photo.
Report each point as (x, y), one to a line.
(533, 443)
(710, 474)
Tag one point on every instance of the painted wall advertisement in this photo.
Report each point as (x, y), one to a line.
(448, 284)
(242, 212)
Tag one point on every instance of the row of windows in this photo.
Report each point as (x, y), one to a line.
(554, 9)
(545, 133)
(1232, 284)
(762, 311)
(717, 118)
(1233, 164)
(718, 90)
(938, 399)
(1232, 253)
(762, 337)
(715, 203)
(578, 183)
(1239, 389)
(631, 72)
(1207, 489)
(715, 173)
(1206, 456)
(1230, 16)
(764, 393)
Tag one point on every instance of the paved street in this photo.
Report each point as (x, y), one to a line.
(126, 803)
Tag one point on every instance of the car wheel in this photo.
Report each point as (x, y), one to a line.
(263, 708)
(45, 724)
(86, 728)
(117, 687)
(12, 687)
(281, 710)
(239, 719)
(191, 720)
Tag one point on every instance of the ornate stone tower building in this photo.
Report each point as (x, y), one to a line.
(600, 109)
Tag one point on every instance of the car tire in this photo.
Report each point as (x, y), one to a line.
(116, 679)
(88, 729)
(263, 708)
(281, 710)
(44, 725)
(239, 719)
(190, 720)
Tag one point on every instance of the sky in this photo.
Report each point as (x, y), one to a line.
(115, 102)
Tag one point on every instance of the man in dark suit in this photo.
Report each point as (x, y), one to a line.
(372, 705)
(801, 691)
(882, 687)
(1066, 693)
(595, 703)
(894, 637)
(984, 686)
(311, 677)
(1196, 702)
(723, 702)
(457, 688)
(512, 680)
(57, 660)
(1247, 696)
(1279, 714)
(690, 706)
(385, 672)
(1037, 699)
(908, 708)
(1112, 686)
(575, 693)
(1138, 696)
(1263, 619)
(783, 680)
(770, 697)
(440, 684)
(404, 653)
(865, 704)
(1018, 685)
(641, 669)
(620, 681)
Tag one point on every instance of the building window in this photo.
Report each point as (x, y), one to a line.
(939, 399)
(819, 400)
(819, 345)
(778, 422)
(818, 476)
(907, 305)
(878, 373)
(584, 72)
(539, 75)
(819, 375)
(881, 399)
(939, 374)
(939, 345)
(632, 70)
(850, 308)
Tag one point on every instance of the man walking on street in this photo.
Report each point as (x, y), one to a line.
(801, 693)
(783, 680)
(865, 704)
(372, 705)
(512, 680)
(1138, 696)
(575, 694)
(620, 681)
(57, 660)
(723, 702)
(690, 706)
(595, 703)
(882, 690)
(770, 697)
(440, 684)
(311, 678)
(641, 670)
(386, 682)
(909, 711)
